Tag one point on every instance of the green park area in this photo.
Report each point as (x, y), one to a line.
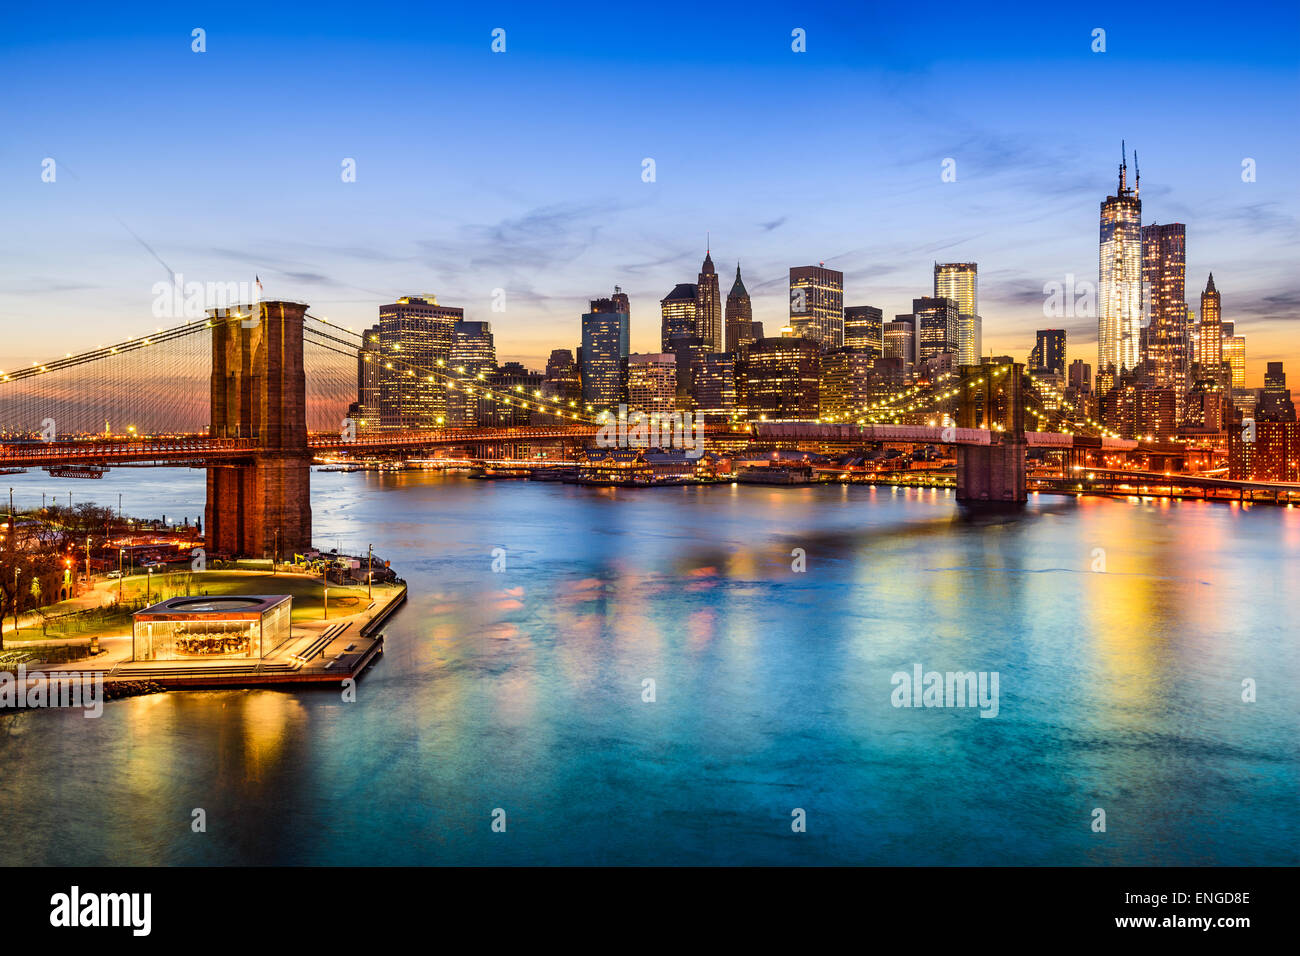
(107, 616)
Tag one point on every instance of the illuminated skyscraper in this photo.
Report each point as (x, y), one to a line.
(1119, 287)
(777, 379)
(1164, 251)
(1211, 337)
(713, 386)
(677, 314)
(900, 341)
(708, 306)
(741, 327)
(563, 382)
(415, 333)
(937, 328)
(1234, 353)
(652, 383)
(817, 304)
(473, 352)
(864, 329)
(959, 281)
(365, 412)
(1049, 352)
(604, 354)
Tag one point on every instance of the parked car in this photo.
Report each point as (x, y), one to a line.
(114, 574)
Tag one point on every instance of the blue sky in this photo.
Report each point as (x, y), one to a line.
(522, 170)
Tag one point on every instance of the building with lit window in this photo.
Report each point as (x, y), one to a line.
(845, 388)
(652, 383)
(958, 281)
(677, 312)
(817, 305)
(900, 341)
(936, 328)
(1211, 335)
(741, 327)
(1269, 452)
(1048, 354)
(604, 354)
(1164, 271)
(365, 411)
(416, 335)
(864, 329)
(517, 390)
(713, 386)
(211, 630)
(708, 306)
(1234, 354)
(1119, 287)
(562, 382)
(473, 353)
(778, 379)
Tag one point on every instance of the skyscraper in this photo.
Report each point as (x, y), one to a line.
(958, 281)
(900, 341)
(713, 386)
(936, 327)
(1164, 250)
(562, 382)
(1119, 287)
(473, 353)
(708, 306)
(365, 411)
(864, 329)
(741, 327)
(652, 383)
(778, 379)
(817, 304)
(677, 314)
(415, 334)
(1211, 338)
(1049, 352)
(604, 354)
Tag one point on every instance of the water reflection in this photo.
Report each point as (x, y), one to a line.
(523, 690)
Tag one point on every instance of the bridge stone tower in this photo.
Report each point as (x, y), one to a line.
(992, 397)
(259, 392)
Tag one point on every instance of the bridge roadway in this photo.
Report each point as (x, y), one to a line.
(201, 449)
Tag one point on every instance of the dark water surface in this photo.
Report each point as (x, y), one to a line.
(522, 690)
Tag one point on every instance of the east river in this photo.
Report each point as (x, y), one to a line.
(1121, 632)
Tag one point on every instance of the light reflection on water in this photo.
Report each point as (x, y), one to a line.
(522, 690)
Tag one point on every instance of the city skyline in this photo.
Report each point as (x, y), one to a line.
(523, 206)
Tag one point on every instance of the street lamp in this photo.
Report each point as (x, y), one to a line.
(120, 552)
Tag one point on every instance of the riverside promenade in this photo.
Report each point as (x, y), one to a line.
(327, 650)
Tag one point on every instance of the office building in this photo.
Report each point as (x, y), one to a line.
(864, 329)
(817, 305)
(603, 368)
(1119, 287)
(741, 327)
(778, 379)
(677, 311)
(416, 335)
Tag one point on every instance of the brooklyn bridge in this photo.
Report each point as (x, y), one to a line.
(255, 394)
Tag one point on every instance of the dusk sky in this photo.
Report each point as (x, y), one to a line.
(522, 170)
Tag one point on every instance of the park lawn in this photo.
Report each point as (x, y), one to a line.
(306, 590)
(114, 620)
